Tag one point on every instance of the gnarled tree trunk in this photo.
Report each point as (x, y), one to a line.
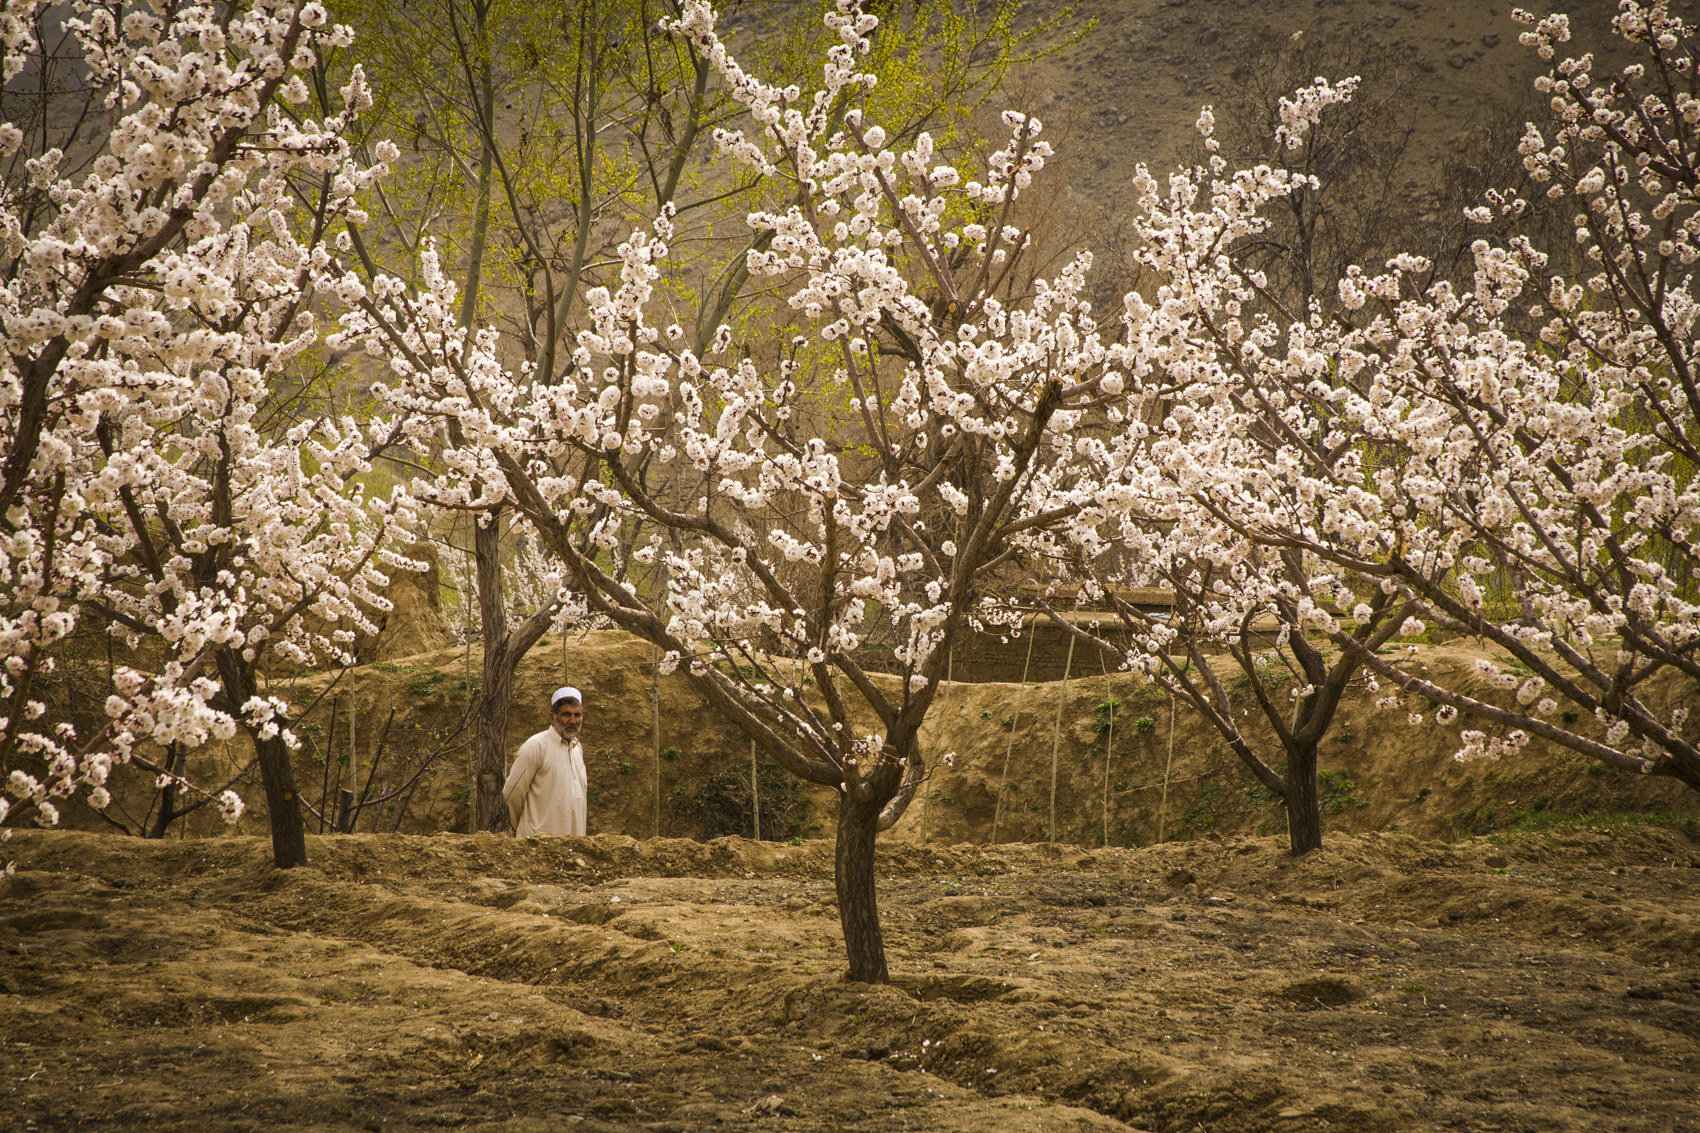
(503, 651)
(858, 909)
(289, 831)
(277, 770)
(490, 741)
(1304, 809)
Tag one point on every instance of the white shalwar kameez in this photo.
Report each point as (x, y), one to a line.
(546, 790)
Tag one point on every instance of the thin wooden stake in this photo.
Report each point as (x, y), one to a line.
(755, 789)
(1014, 718)
(1163, 809)
(1056, 733)
(469, 583)
(353, 755)
(655, 702)
(932, 764)
(330, 758)
(1109, 741)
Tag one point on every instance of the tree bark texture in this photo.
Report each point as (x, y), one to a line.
(490, 732)
(175, 759)
(289, 832)
(277, 769)
(1304, 808)
(504, 647)
(490, 742)
(858, 909)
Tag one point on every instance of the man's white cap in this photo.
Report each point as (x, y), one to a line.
(565, 692)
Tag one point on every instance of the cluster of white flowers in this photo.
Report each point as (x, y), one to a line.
(149, 304)
(768, 554)
(757, 514)
(1558, 466)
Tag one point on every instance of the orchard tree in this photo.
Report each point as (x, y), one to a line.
(537, 138)
(146, 480)
(1540, 495)
(873, 474)
(1226, 450)
(1535, 493)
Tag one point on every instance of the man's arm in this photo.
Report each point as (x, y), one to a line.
(519, 779)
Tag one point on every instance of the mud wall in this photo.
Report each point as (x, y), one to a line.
(1136, 776)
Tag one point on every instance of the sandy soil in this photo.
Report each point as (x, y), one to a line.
(1545, 983)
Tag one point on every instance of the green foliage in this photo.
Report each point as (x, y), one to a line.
(1202, 813)
(1106, 715)
(1270, 676)
(1605, 822)
(535, 137)
(1337, 791)
(1146, 725)
(425, 684)
(1257, 796)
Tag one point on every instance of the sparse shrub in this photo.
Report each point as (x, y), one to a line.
(721, 805)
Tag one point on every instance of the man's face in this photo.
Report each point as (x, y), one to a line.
(569, 718)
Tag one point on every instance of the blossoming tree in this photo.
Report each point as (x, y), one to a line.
(1538, 491)
(756, 520)
(1228, 452)
(147, 478)
(540, 142)
(1513, 460)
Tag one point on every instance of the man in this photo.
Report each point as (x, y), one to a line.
(545, 790)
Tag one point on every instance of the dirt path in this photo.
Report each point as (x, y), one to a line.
(602, 983)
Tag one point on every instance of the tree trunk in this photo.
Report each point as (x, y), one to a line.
(504, 648)
(490, 742)
(289, 832)
(175, 760)
(858, 909)
(1304, 808)
(277, 770)
(490, 734)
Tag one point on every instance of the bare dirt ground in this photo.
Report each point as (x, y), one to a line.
(1543, 982)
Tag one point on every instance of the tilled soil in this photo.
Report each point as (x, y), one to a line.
(1548, 983)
